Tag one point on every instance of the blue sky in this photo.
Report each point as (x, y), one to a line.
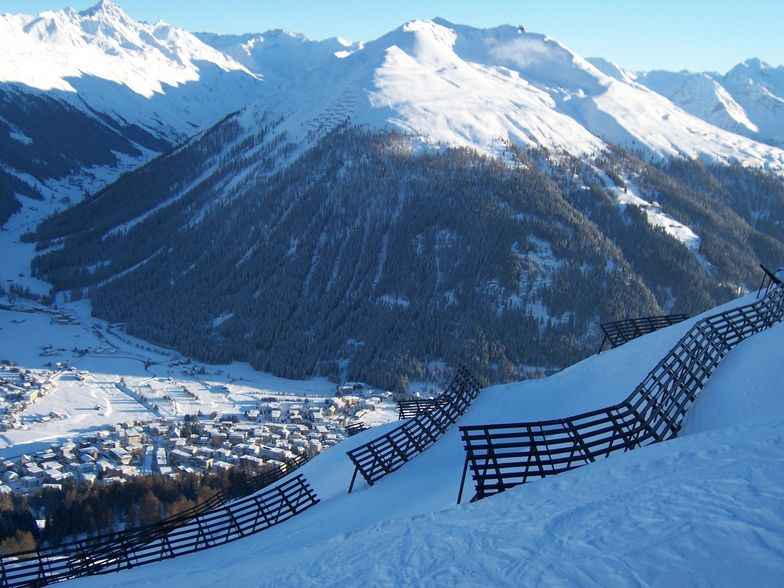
(666, 34)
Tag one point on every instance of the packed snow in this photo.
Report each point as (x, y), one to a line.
(704, 509)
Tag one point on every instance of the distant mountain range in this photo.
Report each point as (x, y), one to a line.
(87, 95)
(456, 85)
(748, 100)
(130, 90)
(440, 195)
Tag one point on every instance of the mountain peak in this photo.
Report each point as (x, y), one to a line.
(430, 30)
(752, 68)
(104, 8)
(756, 64)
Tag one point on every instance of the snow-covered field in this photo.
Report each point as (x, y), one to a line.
(706, 509)
(123, 378)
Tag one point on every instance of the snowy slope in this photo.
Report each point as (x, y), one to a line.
(279, 55)
(704, 509)
(454, 84)
(749, 99)
(155, 75)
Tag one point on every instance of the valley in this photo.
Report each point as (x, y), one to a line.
(67, 377)
(225, 256)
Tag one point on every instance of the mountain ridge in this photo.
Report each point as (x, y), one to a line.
(458, 85)
(114, 92)
(747, 100)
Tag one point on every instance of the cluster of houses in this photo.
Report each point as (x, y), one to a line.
(258, 440)
(18, 388)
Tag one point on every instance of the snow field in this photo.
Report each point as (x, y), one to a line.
(118, 370)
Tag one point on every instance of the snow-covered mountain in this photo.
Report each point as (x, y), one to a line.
(481, 80)
(748, 100)
(759, 89)
(279, 55)
(308, 200)
(457, 85)
(86, 95)
(154, 75)
(461, 85)
(703, 96)
(358, 250)
(130, 90)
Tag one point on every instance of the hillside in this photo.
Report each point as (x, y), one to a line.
(362, 258)
(703, 508)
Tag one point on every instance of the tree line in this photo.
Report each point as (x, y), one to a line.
(81, 509)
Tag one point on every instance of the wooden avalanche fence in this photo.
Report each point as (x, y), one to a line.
(504, 455)
(219, 520)
(408, 409)
(387, 453)
(769, 280)
(356, 428)
(620, 332)
(222, 497)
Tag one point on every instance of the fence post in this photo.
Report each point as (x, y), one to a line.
(462, 479)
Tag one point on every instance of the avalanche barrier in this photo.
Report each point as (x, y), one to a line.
(623, 331)
(387, 453)
(501, 456)
(219, 520)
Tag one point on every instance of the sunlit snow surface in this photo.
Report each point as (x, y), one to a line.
(448, 84)
(155, 75)
(442, 83)
(705, 509)
(657, 218)
(102, 399)
(103, 42)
